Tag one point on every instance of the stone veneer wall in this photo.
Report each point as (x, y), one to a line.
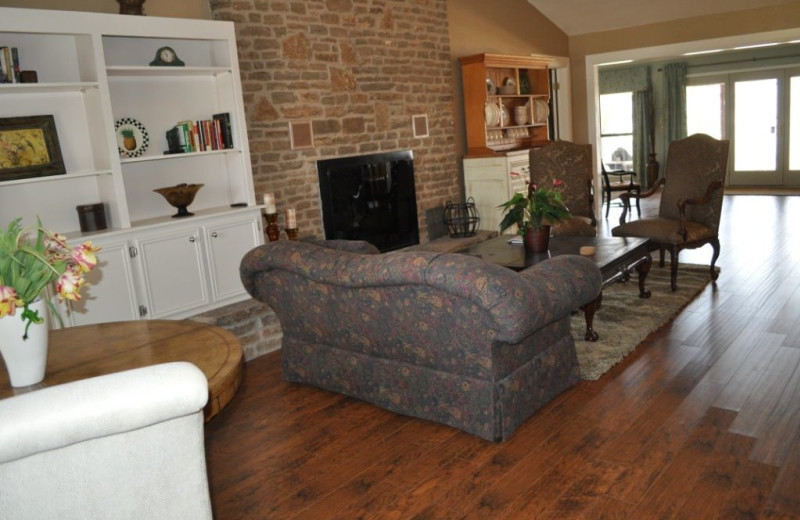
(358, 70)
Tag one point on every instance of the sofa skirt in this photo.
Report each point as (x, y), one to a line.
(492, 410)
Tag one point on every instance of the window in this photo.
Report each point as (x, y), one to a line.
(616, 130)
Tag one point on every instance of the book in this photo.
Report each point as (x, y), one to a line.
(224, 119)
(15, 64)
(9, 72)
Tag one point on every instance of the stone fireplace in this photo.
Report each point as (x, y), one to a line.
(358, 71)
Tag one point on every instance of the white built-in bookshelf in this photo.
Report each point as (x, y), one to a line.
(93, 71)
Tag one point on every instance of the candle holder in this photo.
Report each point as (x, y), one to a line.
(273, 231)
(291, 233)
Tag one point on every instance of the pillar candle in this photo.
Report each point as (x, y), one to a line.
(291, 218)
(269, 202)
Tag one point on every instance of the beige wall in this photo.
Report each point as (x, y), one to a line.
(169, 8)
(766, 19)
(505, 27)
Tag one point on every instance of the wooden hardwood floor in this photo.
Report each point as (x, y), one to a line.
(701, 421)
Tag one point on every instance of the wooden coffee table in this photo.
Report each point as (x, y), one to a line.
(93, 350)
(615, 256)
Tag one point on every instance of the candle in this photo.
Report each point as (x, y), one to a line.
(291, 218)
(269, 202)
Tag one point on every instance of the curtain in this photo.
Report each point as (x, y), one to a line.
(641, 134)
(675, 101)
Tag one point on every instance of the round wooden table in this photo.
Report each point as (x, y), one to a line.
(92, 350)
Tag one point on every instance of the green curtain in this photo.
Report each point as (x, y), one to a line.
(641, 132)
(675, 102)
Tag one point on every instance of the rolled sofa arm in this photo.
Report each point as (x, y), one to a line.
(67, 414)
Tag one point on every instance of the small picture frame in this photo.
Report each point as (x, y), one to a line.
(29, 148)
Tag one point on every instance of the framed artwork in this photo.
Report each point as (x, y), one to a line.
(29, 148)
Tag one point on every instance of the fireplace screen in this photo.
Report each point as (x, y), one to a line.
(370, 197)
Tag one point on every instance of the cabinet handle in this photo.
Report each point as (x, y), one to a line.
(192, 239)
(214, 234)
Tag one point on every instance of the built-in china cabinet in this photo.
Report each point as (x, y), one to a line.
(506, 113)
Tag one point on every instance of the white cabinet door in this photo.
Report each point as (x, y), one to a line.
(227, 243)
(172, 272)
(110, 294)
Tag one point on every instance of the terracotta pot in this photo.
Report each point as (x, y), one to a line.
(537, 240)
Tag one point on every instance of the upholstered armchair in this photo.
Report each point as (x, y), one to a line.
(571, 163)
(127, 445)
(691, 201)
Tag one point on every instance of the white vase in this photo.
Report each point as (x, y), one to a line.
(25, 359)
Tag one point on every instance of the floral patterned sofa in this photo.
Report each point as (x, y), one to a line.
(442, 336)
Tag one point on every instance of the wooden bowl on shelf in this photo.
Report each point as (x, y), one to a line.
(180, 196)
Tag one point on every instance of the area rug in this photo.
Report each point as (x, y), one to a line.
(625, 320)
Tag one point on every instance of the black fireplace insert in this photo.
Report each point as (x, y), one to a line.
(371, 198)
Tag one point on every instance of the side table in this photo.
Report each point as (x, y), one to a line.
(92, 350)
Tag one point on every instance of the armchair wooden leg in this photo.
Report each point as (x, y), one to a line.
(661, 256)
(715, 245)
(638, 207)
(607, 194)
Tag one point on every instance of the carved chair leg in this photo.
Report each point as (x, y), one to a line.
(638, 207)
(673, 271)
(715, 245)
(607, 193)
(661, 256)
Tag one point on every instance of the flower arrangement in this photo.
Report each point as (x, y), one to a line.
(28, 266)
(540, 207)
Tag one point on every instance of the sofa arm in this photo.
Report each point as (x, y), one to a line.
(577, 276)
(67, 414)
(545, 293)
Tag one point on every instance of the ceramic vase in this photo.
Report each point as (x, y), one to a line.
(25, 359)
(537, 240)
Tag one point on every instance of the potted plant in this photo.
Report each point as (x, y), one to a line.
(533, 214)
(31, 259)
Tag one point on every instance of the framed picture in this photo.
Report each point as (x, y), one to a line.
(29, 148)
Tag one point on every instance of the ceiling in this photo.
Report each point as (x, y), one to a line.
(587, 16)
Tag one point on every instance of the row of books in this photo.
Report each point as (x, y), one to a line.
(9, 65)
(201, 136)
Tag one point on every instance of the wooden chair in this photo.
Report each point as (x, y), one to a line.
(624, 182)
(571, 163)
(691, 201)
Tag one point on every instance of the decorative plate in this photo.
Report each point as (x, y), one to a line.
(132, 137)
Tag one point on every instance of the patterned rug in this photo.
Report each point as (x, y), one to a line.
(625, 320)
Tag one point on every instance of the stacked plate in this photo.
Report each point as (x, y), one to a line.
(492, 114)
(541, 110)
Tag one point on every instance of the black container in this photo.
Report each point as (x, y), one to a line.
(92, 217)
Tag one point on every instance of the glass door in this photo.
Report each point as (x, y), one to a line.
(792, 177)
(757, 120)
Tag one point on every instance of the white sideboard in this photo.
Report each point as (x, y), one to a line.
(491, 181)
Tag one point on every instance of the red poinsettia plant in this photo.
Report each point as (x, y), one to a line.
(29, 265)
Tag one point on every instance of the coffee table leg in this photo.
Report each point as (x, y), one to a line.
(643, 269)
(588, 311)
